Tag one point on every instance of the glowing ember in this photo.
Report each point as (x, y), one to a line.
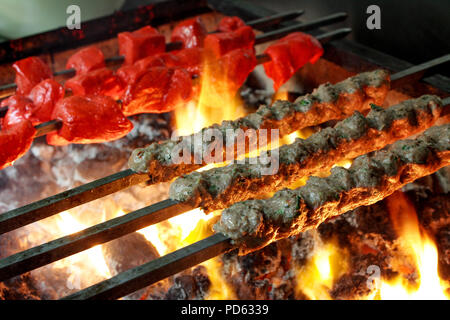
(316, 278)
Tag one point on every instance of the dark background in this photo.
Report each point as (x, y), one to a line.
(413, 30)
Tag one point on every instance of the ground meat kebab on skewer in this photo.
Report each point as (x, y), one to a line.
(219, 188)
(327, 102)
(253, 224)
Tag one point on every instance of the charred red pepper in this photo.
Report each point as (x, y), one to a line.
(141, 43)
(86, 59)
(228, 73)
(228, 24)
(15, 142)
(88, 119)
(20, 108)
(130, 73)
(160, 89)
(44, 96)
(37, 107)
(236, 65)
(29, 72)
(190, 32)
(223, 42)
(100, 81)
(191, 59)
(290, 54)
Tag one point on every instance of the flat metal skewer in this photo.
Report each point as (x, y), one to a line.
(134, 279)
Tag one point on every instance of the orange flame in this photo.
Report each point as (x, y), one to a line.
(422, 250)
(316, 278)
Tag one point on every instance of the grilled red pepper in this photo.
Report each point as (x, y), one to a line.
(20, 108)
(229, 73)
(191, 59)
(100, 81)
(87, 59)
(290, 54)
(141, 43)
(29, 72)
(190, 32)
(129, 74)
(44, 96)
(159, 90)
(236, 65)
(88, 119)
(15, 142)
(228, 24)
(223, 42)
(37, 107)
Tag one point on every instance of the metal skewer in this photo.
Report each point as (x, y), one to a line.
(156, 270)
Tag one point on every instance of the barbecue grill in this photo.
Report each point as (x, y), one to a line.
(342, 58)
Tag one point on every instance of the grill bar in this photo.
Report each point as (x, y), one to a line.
(112, 229)
(275, 19)
(156, 270)
(69, 199)
(258, 23)
(72, 198)
(276, 34)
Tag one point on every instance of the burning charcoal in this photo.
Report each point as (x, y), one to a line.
(128, 252)
(303, 246)
(261, 274)
(183, 288)
(373, 219)
(190, 286)
(254, 98)
(434, 212)
(202, 280)
(350, 287)
(443, 244)
(19, 288)
(443, 177)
